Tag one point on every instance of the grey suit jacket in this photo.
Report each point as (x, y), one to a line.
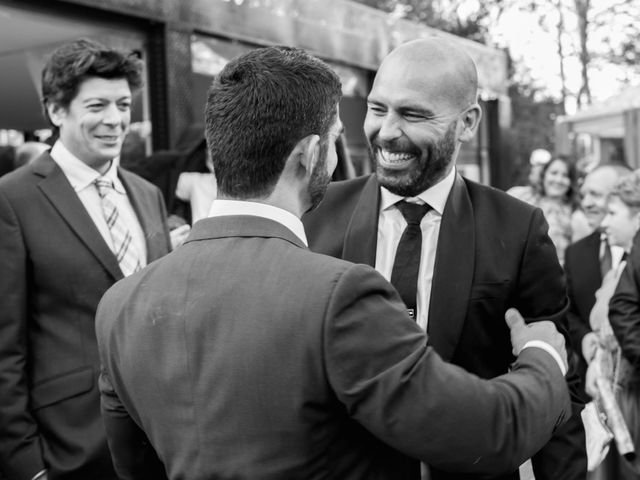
(55, 268)
(244, 355)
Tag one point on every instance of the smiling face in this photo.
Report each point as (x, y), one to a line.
(556, 180)
(421, 106)
(595, 192)
(94, 124)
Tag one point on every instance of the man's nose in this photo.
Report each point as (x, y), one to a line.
(112, 115)
(389, 127)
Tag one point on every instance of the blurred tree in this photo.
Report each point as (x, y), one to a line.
(460, 17)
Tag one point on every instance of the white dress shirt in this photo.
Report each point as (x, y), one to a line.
(81, 177)
(220, 208)
(391, 224)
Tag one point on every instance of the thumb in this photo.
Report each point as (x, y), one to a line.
(514, 319)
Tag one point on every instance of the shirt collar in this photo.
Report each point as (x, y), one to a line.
(435, 196)
(220, 208)
(81, 175)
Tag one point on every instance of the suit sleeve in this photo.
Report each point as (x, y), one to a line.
(542, 295)
(133, 456)
(20, 451)
(400, 390)
(624, 310)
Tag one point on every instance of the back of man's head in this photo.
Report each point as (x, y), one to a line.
(258, 108)
(72, 63)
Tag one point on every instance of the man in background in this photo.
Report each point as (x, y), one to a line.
(71, 224)
(243, 355)
(460, 254)
(588, 260)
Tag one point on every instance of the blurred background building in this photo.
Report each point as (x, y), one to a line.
(605, 132)
(185, 43)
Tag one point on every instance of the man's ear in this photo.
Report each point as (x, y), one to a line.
(307, 152)
(470, 120)
(56, 113)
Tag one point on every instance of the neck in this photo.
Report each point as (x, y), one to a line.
(275, 199)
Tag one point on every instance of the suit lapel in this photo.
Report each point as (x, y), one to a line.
(453, 271)
(361, 236)
(60, 193)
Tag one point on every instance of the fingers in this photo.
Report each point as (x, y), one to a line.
(514, 319)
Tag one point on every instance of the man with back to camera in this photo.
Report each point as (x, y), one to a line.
(460, 254)
(71, 224)
(243, 355)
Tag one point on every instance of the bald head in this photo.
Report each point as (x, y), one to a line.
(421, 108)
(442, 64)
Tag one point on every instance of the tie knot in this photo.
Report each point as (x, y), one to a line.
(412, 212)
(104, 186)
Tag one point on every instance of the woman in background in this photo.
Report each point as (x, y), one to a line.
(556, 198)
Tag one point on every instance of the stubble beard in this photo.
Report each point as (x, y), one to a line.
(430, 168)
(319, 179)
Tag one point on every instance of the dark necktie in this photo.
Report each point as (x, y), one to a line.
(404, 276)
(605, 259)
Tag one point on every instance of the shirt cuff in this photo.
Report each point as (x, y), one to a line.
(39, 475)
(550, 350)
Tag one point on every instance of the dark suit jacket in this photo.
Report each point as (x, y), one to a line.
(493, 253)
(243, 355)
(55, 268)
(624, 309)
(582, 266)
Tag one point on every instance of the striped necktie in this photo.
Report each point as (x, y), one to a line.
(123, 247)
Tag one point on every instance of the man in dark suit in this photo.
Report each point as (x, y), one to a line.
(243, 355)
(59, 253)
(480, 252)
(588, 259)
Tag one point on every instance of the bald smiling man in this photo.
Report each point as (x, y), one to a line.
(480, 251)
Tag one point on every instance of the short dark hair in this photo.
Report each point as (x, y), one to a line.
(72, 63)
(258, 108)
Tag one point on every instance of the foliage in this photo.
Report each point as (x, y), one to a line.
(450, 16)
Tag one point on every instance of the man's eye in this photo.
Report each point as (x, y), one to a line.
(377, 109)
(414, 117)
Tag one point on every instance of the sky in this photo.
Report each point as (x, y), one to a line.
(536, 49)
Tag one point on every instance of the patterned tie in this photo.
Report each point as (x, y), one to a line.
(404, 276)
(123, 249)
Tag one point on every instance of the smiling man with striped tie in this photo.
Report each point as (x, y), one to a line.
(71, 223)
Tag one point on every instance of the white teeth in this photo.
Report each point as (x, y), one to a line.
(392, 157)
